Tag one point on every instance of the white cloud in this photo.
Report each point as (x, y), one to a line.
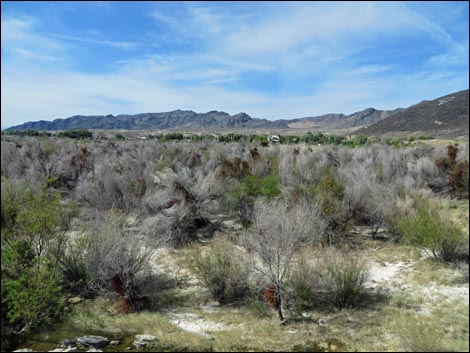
(115, 44)
(312, 44)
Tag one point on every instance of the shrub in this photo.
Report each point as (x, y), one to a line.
(343, 278)
(459, 179)
(425, 227)
(236, 168)
(279, 231)
(255, 186)
(33, 296)
(110, 249)
(34, 225)
(185, 204)
(223, 271)
(330, 193)
(259, 307)
(243, 195)
(419, 335)
(302, 277)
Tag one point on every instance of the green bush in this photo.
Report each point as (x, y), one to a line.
(259, 307)
(425, 227)
(301, 281)
(343, 278)
(33, 237)
(329, 192)
(255, 186)
(244, 194)
(222, 270)
(32, 296)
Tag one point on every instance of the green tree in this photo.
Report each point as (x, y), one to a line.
(34, 226)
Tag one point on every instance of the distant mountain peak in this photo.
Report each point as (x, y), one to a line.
(444, 116)
(446, 112)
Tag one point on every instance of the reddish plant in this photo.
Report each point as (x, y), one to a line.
(236, 168)
(459, 179)
(452, 153)
(124, 305)
(117, 285)
(254, 153)
(270, 296)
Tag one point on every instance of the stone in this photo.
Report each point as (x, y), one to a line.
(66, 343)
(94, 350)
(24, 350)
(140, 344)
(93, 341)
(147, 338)
(115, 343)
(75, 300)
(68, 349)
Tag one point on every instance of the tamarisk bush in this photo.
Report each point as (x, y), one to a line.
(183, 206)
(279, 230)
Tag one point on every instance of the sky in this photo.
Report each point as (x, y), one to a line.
(273, 60)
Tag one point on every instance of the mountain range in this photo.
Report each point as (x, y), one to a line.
(443, 116)
(447, 114)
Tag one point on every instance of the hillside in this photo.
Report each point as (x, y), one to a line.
(176, 119)
(443, 116)
(340, 121)
(184, 119)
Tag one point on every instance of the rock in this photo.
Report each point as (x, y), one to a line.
(66, 343)
(94, 350)
(140, 344)
(115, 343)
(147, 338)
(69, 349)
(74, 300)
(93, 341)
(24, 350)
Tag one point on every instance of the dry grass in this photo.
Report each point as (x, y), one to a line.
(409, 320)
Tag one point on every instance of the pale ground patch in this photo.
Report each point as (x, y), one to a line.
(397, 277)
(191, 322)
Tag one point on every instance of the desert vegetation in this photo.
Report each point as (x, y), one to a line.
(265, 233)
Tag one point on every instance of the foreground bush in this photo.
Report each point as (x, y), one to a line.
(34, 226)
(114, 260)
(343, 279)
(425, 227)
(302, 280)
(223, 271)
(278, 232)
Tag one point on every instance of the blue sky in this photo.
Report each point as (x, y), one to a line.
(269, 59)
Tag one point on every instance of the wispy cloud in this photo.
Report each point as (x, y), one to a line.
(271, 60)
(115, 44)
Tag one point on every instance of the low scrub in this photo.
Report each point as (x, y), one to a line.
(343, 279)
(419, 335)
(425, 227)
(223, 271)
